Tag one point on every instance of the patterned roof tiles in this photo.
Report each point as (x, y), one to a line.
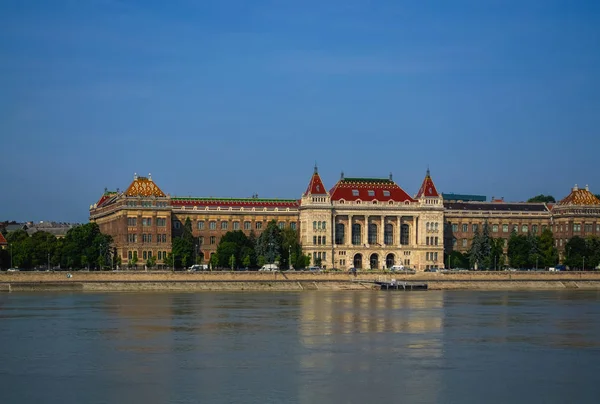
(3, 240)
(579, 197)
(315, 186)
(143, 186)
(235, 202)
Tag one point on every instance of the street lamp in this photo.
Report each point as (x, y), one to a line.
(11, 261)
(290, 257)
(584, 263)
(48, 261)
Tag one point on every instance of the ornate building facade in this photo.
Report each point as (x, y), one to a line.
(359, 222)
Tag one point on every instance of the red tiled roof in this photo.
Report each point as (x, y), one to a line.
(3, 240)
(234, 202)
(105, 198)
(144, 186)
(427, 188)
(315, 186)
(368, 189)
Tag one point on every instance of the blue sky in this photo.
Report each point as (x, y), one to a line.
(230, 98)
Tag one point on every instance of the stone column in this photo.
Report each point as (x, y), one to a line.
(365, 238)
(399, 230)
(382, 231)
(348, 232)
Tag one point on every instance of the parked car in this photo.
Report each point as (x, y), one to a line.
(13, 270)
(269, 268)
(315, 269)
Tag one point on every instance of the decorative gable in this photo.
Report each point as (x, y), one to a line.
(427, 189)
(315, 186)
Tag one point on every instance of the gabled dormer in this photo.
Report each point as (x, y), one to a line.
(316, 193)
(428, 194)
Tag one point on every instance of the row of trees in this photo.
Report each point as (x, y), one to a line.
(82, 247)
(526, 251)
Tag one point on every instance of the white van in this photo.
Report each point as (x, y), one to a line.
(269, 267)
(395, 268)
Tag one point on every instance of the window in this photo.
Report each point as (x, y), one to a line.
(356, 234)
(494, 228)
(161, 221)
(319, 240)
(318, 225)
(129, 255)
(149, 238)
(588, 228)
(534, 229)
(132, 238)
(200, 240)
(164, 238)
(213, 239)
(464, 242)
(258, 225)
(465, 228)
(598, 228)
(224, 225)
(454, 241)
(504, 228)
(324, 240)
(427, 226)
(281, 225)
(404, 234)
(524, 228)
(144, 238)
(436, 226)
(177, 224)
(339, 233)
(515, 228)
(576, 227)
(247, 225)
(475, 228)
(314, 240)
(132, 221)
(386, 193)
(324, 256)
(436, 241)
(454, 227)
(426, 240)
(323, 225)
(315, 225)
(145, 255)
(146, 221)
(236, 225)
(388, 234)
(370, 192)
(212, 225)
(355, 192)
(201, 225)
(149, 254)
(372, 236)
(159, 255)
(293, 225)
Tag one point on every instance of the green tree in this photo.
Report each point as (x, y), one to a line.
(456, 259)
(576, 250)
(214, 260)
(134, 260)
(261, 261)
(20, 245)
(246, 262)
(542, 198)
(548, 252)
(234, 243)
(232, 262)
(224, 251)
(593, 250)
(269, 242)
(169, 260)
(518, 250)
(151, 262)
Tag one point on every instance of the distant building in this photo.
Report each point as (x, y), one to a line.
(463, 198)
(59, 230)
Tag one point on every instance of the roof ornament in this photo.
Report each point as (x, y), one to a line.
(316, 169)
(342, 175)
(135, 176)
(587, 188)
(150, 176)
(105, 190)
(391, 176)
(428, 173)
(575, 188)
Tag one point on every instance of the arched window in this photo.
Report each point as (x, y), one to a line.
(315, 225)
(389, 261)
(374, 261)
(339, 233)
(357, 261)
(427, 226)
(356, 236)
(404, 234)
(372, 233)
(388, 234)
(323, 226)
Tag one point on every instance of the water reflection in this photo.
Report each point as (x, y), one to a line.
(300, 347)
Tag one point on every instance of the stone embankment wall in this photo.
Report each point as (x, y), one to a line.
(237, 281)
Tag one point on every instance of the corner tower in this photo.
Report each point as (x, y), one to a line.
(316, 232)
(431, 224)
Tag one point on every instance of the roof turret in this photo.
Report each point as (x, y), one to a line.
(427, 188)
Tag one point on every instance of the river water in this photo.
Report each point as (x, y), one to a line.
(309, 347)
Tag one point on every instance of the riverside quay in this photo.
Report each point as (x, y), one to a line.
(359, 222)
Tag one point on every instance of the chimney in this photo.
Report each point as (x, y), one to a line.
(575, 188)
(587, 188)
